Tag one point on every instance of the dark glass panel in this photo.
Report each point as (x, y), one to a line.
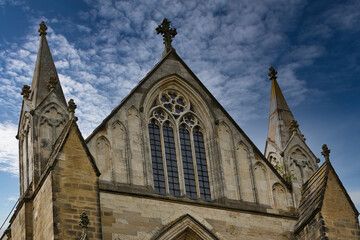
(201, 165)
(171, 163)
(156, 156)
(189, 175)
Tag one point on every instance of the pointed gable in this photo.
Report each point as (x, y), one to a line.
(324, 193)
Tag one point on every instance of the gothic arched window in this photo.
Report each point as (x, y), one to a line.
(176, 136)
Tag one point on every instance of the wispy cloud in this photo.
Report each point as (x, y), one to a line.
(9, 161)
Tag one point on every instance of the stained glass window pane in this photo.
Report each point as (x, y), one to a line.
(189, 175)
(201, 165)
(171, 163)
(156, 156)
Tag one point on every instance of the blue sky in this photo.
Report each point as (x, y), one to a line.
(102, 49)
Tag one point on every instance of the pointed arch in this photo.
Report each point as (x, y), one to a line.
(244, 172)
(228, 162)
(262, 183)
(279, 194)
(185, 227)
(51, 121)
(103, 157)
(136, 146)
(120, 152)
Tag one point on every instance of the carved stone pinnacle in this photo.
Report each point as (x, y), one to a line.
(326, 152)
(52, 83)
(167, 32)
(272, 73)
(42, 29)
(293, 126)
(72, 106)
(84, 220)
(25, 91)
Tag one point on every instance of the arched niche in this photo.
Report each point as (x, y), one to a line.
(186, 227)
(228, 161)
(120, 153)
(244, 172)
(136, 146)
(262, 183)
(51, 122)
(103, 157)
(279, 194)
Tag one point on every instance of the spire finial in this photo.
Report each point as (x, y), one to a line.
(326, 152)
(272, 73)
(25, 91)
(52, 82)
(167, 32)
(42, 29)
(71, 108)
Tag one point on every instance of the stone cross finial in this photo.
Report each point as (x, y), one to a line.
(52, 83)
(293, 126)
(272, 73)
(326, 152)
(71, 108)
(25, 91)
(167, 32)
(42, 29)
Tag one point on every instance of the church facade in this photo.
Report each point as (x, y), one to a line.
(169, 163)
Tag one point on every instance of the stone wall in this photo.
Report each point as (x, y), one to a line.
(75, 187)
(131, 217)
(18, 225)
(43, 221)
(340, 218)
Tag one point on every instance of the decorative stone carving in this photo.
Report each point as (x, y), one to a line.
(326, 152)
(42, 29)
(103, 157)
(120, 157)
(84, 222)
(71, 108)
(52, 83)
(25, 91)
(167, 32)
(293, 126)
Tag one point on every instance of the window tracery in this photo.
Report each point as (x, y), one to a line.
(176, 137)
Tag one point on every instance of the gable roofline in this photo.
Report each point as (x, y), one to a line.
(316, 198)
(60, 142)
(172, 54)
(180, 220)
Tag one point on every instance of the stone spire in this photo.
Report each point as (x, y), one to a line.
(168, 33)
(281, 120)
(45, 78)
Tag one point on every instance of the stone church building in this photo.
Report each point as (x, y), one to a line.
(168, 163)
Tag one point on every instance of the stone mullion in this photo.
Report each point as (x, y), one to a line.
(194, 164)
(163, 155)
(179, 161)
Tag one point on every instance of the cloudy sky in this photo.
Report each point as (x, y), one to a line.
(102, 49)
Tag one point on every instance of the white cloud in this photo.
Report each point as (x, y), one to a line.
(9, 160)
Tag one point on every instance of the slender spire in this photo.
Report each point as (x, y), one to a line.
(281, 121)
(168, 33)
(45, 78)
